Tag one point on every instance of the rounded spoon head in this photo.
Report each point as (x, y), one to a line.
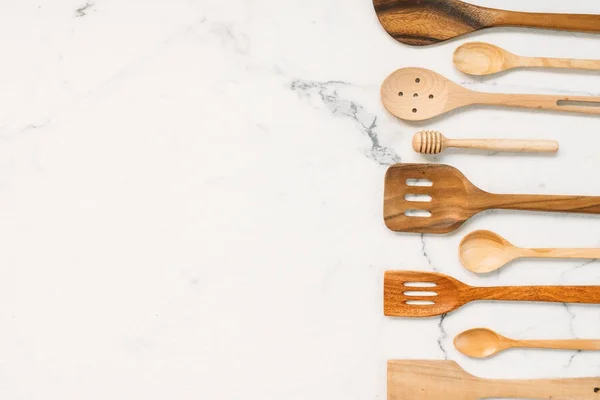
(480, 343)
(485, 251)
(479, 58)
(416, 94)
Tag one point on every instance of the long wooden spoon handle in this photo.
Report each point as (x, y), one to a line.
(517, 146)
(538, 202)
(571, 344)
(555, 389)
(552, 294)
(562, 253)
(560, 63)
(580, 104)
(566, 22)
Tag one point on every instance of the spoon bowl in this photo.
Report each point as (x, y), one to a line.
(480, 343)
(484, 251)
(479, 58)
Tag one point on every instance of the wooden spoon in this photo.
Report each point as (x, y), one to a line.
(437, 198)
(427, 294)
(417, 94)
(423, 22)
(482, 343)
(445, 380)
(485, 251)
(478, 58)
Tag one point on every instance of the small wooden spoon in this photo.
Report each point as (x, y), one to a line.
(479, 58)
(482, 343)
(485, 251)
(417, 94)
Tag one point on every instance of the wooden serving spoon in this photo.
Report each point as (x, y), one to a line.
(437, 198)
(482, 343)
(417, 94)
(445, 380)
(427, 294)
(485, 251)
(479, 58)
(423, 22)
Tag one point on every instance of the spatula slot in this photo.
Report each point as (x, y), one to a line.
(420, 303)
(420, 294)
(419, 182)
(419, 198)
(417, 213)
(589, 104)
(420, 284)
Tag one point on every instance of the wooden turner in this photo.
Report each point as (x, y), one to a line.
(423, 22)
(446, 380)
(417, 94)
(427, 294)
(437, 198)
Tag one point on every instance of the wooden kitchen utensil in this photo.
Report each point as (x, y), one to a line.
(482, 343)
(417, 94)
(423, 22)
(433, 142)
(479, 58)
(437, 198)
(485, 251)
(427, 294)
(446, 380)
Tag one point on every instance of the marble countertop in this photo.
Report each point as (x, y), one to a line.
(191, 200)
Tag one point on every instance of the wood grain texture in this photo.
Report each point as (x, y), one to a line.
(448, 294)
(424, 22)
(445, 380)
(483, 342)
(433, 142)
(454, 200)
(484, 251)
(477, 58)
(417, 94)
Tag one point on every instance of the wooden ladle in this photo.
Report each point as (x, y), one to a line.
(485, 251)
(482, 343)
(423, 22)
(417, 94)
(479, 58)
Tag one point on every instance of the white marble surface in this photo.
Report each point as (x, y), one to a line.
(190, 200)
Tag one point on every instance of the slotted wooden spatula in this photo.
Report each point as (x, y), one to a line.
(446, 380)
(437, 198)
(427, 294)
(423, 22)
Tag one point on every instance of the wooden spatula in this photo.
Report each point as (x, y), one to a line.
(437, 198)
(423, 22)
(427, 294)
(417, 94)
(446, 380)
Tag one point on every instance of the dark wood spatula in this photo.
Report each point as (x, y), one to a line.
(437, 198)
(423, 22)
(445, 380)
(427, 294)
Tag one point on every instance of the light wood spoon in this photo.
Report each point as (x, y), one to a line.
(485, 251)
(482, 343)
(479, 58)
(433, 142)
(417, 94)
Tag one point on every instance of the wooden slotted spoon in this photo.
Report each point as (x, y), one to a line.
(423, 22)
(417, 94)
(427, 294)
(437, 198)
